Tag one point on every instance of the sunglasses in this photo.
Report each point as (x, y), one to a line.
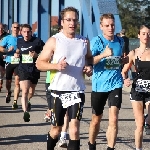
(16, 27)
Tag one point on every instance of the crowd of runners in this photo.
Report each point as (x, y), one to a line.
(67, 58)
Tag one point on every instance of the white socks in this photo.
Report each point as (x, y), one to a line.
(138, 148)
(63, 135)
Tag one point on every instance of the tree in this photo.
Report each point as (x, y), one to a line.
(133, 13)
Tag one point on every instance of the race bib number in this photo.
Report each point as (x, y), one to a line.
(142, 85)
(112, 62)
(69, 99)
(27, 59)
(14, 60)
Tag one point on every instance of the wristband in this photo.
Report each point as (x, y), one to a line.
(90, 65)
(124, 79)
(5, 50)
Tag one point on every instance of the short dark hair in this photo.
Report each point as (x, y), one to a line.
(26, 26)
(106, 16)
(62, 13)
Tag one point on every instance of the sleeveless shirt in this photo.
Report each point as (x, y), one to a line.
(71, 78)
(141, 82)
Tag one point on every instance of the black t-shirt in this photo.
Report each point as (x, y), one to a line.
(34, 44)
(1, 38)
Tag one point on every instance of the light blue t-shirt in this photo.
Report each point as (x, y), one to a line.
(107, 73)
(7, 42)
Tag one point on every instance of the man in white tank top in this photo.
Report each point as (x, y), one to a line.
(68, 54)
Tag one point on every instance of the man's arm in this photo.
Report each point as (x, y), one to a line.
(42, 62)
(3, 45)
(45, 57)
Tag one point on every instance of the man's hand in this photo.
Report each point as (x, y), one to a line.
(62, 64)
(33, 54)
(107, 52)
(88, 70)
(127, 82)
(11, 48)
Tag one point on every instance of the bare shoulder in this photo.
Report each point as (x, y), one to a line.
(133, 52)
(51, 40)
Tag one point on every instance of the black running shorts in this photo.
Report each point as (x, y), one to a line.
(139, 96)
(10, 69)
(2, 62)
(58, 112)
(32, 76)
(98, 100)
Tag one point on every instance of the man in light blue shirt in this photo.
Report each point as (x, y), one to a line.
(106, 80)
(9, 46)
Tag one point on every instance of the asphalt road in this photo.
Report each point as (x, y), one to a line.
(15, 134)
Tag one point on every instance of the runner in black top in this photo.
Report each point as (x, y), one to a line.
(28, 47)
(140, 91)
(2, 62)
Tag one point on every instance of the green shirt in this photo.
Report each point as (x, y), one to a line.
(48, 77)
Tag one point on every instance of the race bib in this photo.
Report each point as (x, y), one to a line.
(14, 60)
(112, 62)
(27, 58)
(142, 85)
(69, 99)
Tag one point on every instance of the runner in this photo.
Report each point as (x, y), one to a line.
(106, 81)
(28, 49)
(2, 62)
(67, 53)
(139, 95)
(9, 45)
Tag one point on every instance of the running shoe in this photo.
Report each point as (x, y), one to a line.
(62, 143)
(8, 97)
(29, 106)
(46, 117)
(15, 106)
(26, 117)
(147, 126)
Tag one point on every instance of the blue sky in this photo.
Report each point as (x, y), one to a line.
(74, 3)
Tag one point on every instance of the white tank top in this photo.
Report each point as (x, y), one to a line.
(70, 79)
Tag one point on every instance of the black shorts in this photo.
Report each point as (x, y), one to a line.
(98, 100)
(2, 62)
(48, 95)
(32, 76)
(58, 112)
(10, 69)
(139, 96)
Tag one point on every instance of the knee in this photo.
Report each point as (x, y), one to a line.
(55, 131)
(17, 85)
(96, 120)
(74, 127)
(74, 131)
